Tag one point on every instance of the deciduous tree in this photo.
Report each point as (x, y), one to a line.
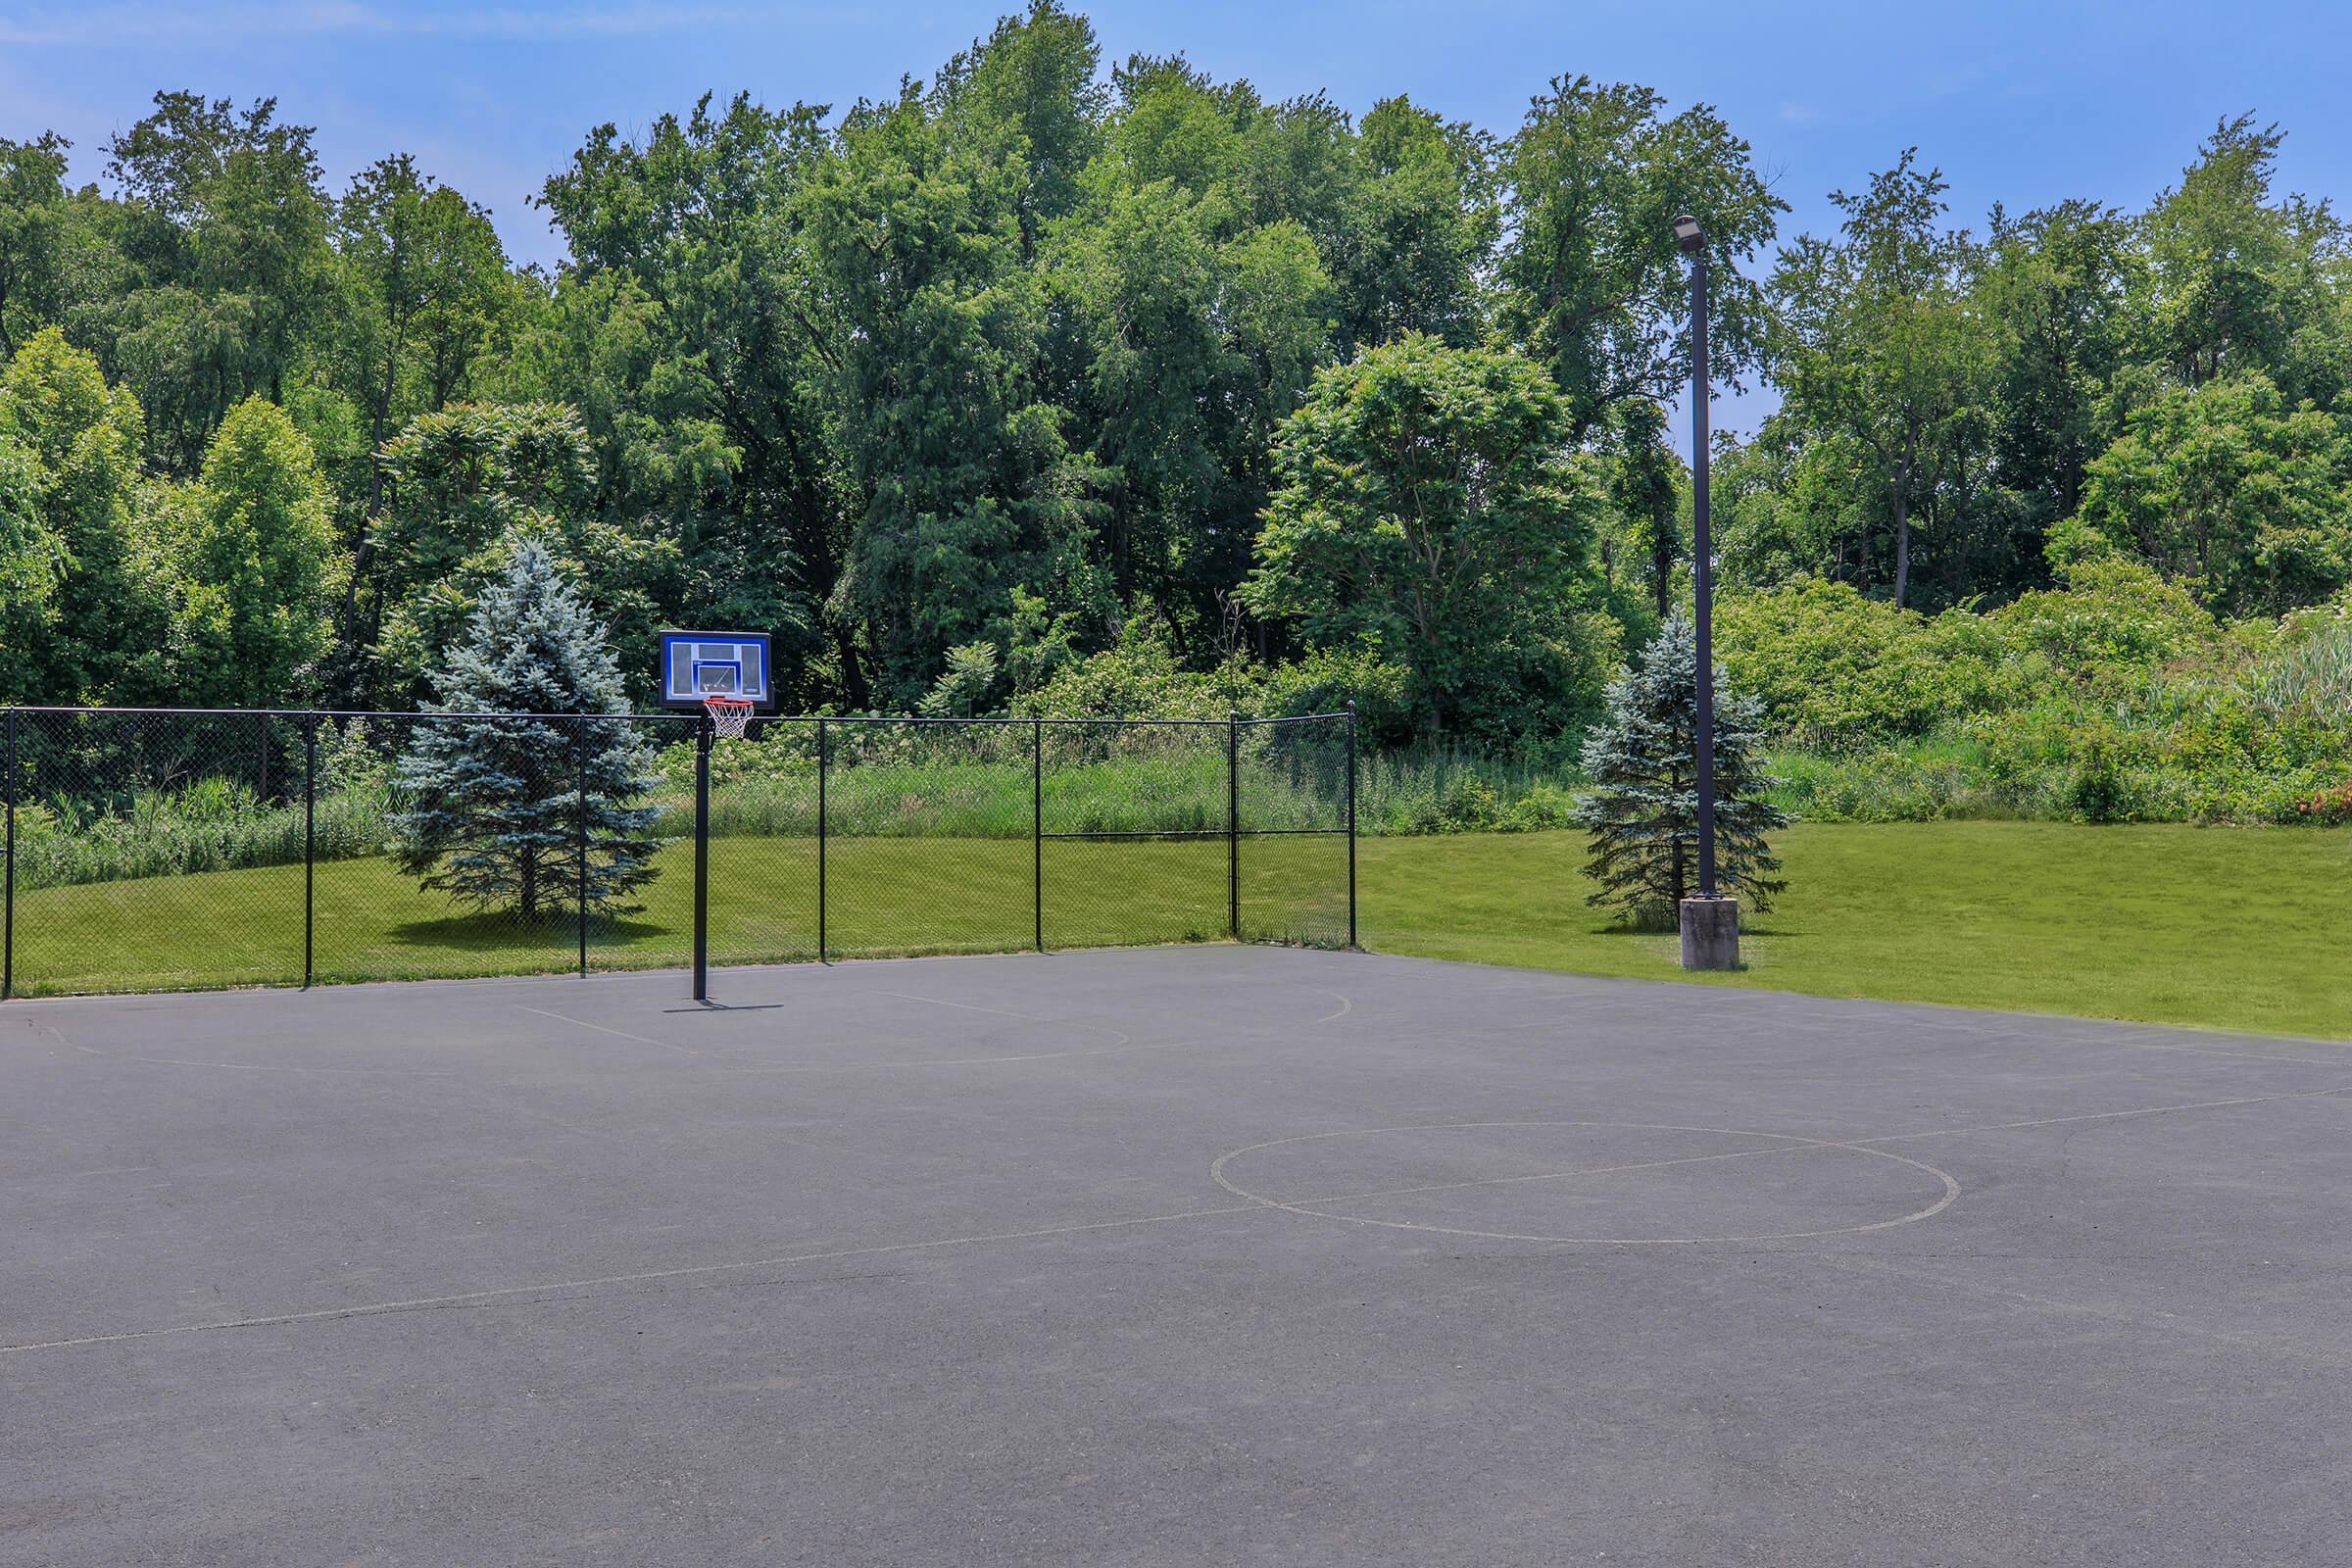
(1429, 508)
(2227, 488)
(1593, 286)
(77, 442)
(253, 567)
(1879, 342)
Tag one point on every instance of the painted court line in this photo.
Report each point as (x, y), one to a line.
(468, 1297)
(968, 1006)
(1950, 1184)
(1805, 1147)
(1253, 1203)
(247, 1066)
(619, 1034)
(2104, 1115)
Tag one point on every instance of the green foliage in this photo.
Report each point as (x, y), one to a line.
(2053, 290)
(1199, 334)
(2327, 807)
(226, 236)
(2229, 285)
(1830, 667)
(1326, 681)
(254, 557)
(1930, 780)
(470, 480)
(428, 297)
(75, 470)
(214, 824)
(520, 813)
(2113, 621)
(1037, 643)
(1140, 677)
(1643, 814)
(1417, 228)
(1836, 670)
(689, 331)
(2115, 697)
(1040, 356)
(1428, 510)
(1646, 521)
(32, 563)
(1964, 395)
(967, 485)
(2308, 670)
(1880, 353)
(961, 690)
(35, 236)
(1593, 285)
(2227, 489)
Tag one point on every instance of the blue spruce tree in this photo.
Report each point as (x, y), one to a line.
(496, 804)
(1642, 811)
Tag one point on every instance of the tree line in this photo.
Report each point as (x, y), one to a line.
(1038, 363)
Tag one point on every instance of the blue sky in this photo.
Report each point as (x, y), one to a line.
(2023, 103)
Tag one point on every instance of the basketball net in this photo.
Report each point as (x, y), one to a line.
(730, 714)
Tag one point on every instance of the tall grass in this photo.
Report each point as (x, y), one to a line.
(976, 785)
(2312, 674)
(1925, 781)
(213, 825)
(982, 790)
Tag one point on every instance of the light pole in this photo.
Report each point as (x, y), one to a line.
(1710, 925)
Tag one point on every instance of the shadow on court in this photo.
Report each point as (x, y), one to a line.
(1211, 1255)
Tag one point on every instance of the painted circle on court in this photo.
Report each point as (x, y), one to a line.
(1603, 1183)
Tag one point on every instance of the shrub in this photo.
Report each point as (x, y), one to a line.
(1828, 665)
(2101, 790)
(2115, 620)
(2329, 807)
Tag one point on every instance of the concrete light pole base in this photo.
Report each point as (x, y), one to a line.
(1711, 933)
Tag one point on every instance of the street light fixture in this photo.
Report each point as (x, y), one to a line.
(1710, 925)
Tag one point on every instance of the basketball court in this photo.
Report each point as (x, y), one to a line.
(1206, 1254)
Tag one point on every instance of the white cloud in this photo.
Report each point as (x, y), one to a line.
(149, 23)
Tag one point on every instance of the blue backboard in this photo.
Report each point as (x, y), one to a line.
(695, 664)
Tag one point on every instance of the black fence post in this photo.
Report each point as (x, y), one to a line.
(8, 899)
(579, 746)
(820, 839)
(309, 846)
(1037, 824)
(702, 858)
(1351, 822)
(262, 786)
(1233, 825)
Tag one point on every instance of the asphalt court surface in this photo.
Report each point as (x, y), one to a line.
(1211, 1255)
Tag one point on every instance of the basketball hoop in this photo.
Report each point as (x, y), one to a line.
(730, 714)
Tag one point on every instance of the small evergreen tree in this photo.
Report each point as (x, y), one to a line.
(1642, 811)
(496, 803)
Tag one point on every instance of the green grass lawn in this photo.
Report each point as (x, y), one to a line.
(884, 895)
(2236, 928)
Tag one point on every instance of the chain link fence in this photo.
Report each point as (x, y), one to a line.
(153, 849)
